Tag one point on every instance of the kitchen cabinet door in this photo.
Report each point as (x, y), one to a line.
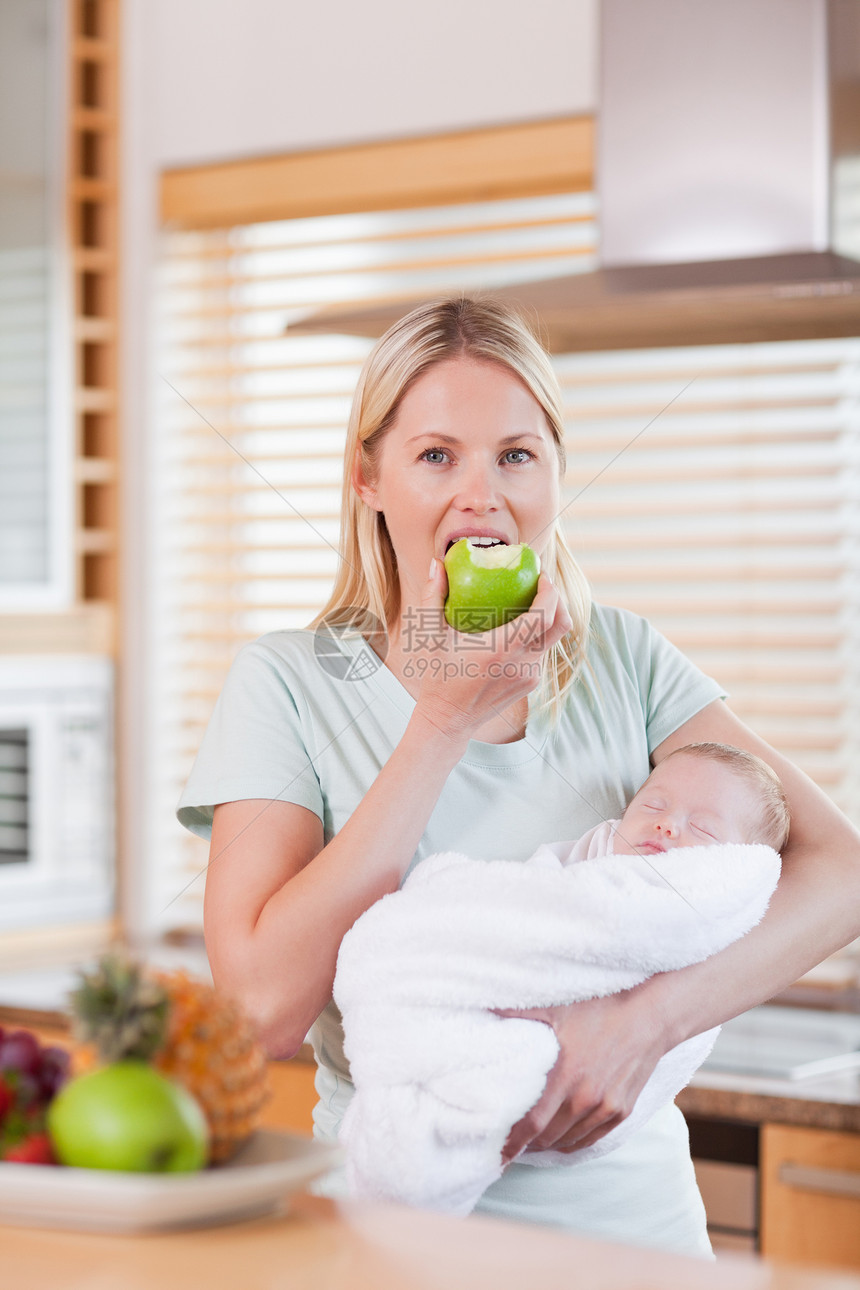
(810, 1196)
(293, 1096)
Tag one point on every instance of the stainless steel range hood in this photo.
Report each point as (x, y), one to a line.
(728, 181)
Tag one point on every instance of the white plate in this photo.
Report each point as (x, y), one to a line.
(255, 1181)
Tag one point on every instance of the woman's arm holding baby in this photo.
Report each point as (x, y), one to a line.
(609, 1046)
(814, 911)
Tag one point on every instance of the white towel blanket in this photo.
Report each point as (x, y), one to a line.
(440, 1078)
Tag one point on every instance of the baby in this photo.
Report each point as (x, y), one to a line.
(429, 990)
(699, 795)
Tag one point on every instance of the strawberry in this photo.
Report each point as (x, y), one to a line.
(34, 1150)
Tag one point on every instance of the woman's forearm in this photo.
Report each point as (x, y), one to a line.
(283, 960)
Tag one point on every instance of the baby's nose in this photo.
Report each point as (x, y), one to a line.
(667, 827)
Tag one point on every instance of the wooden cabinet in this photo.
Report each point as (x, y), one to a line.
(810, 1195)
(293, 1096)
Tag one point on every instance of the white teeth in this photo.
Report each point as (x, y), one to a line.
(477, 542)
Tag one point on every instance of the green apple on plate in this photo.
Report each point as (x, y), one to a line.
(128, 1116)
(489, 583)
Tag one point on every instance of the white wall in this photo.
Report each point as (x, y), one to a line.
(238, 77)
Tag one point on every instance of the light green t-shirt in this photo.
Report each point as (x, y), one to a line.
(298, 723)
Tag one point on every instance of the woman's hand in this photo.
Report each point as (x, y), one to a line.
(468, 678)
(608, 1049)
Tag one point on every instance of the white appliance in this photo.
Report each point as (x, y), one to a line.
(56, 790)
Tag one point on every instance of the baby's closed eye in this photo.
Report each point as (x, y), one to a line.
(703, 832)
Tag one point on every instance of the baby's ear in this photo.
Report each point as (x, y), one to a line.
(360, 483)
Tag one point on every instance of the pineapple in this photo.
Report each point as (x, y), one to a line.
(187, 1030)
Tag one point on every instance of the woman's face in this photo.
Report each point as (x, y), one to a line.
(469, 454)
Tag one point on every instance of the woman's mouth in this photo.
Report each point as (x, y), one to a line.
(476, 539)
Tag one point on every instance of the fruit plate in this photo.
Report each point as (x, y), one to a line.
(256, 1181)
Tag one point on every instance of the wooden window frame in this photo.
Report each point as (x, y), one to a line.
(501, 162)
(89, 623)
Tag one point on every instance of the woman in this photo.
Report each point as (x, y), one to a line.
(322, 787)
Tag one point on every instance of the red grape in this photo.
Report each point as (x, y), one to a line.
(20, 1050)
(53, 1071)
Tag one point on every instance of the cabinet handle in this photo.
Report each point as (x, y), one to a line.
(834, 1182)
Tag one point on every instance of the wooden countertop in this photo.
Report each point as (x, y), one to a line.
(323, 1245)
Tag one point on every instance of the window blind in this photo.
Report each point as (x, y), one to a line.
(711, 489)
(24, 478)
(35, 438)
(251, 424)
(715, 491)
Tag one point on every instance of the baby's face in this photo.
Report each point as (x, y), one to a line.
(688, 801)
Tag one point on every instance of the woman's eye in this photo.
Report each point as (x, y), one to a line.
(433, 455)
(516, 456)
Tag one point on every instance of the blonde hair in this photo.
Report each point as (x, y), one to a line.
(486, 331)
(774, 817)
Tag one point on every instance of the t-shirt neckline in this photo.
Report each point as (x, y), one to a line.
(478, 753)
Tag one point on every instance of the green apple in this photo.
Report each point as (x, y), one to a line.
(488, 585)
(128, 1116)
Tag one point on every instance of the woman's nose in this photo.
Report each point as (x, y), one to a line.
(477, 491)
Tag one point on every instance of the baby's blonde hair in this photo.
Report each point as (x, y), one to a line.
(774, 817)
(484, 331)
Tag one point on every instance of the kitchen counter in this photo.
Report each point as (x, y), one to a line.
(826, 1102)
(321, 1244)
(362, 1246)
(829, 1102)
(783, 1065)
